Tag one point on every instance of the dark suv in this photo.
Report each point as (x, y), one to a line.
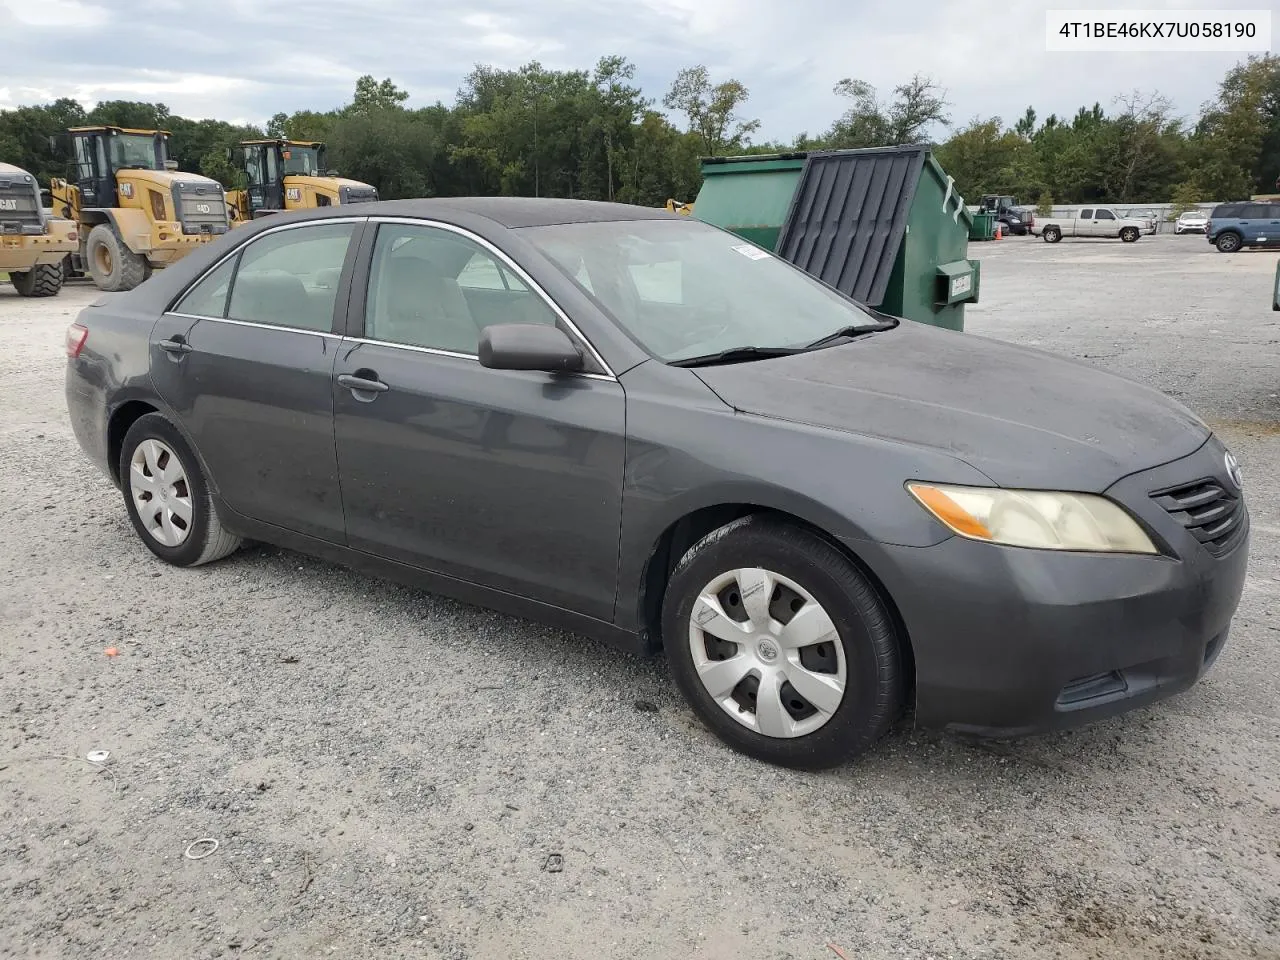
(1244, 224)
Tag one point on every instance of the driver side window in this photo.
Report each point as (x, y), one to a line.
(1106, 215)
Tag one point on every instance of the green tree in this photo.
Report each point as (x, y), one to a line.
(984, 158)
(712, 110)
(917, 104)
(374, 95)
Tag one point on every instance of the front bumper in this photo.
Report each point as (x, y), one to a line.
(1010, 642)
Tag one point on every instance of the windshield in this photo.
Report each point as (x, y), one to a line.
(686, 289)
(135, 150)
(302, 161)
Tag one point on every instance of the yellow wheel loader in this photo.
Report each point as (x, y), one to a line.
(134, 210)
(288, 175)
(32, 243)
(684, 209)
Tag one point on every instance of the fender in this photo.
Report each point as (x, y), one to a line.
(133, 225)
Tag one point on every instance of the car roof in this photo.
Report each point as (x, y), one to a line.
(510, 212)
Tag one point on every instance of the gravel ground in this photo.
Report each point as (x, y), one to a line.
(392, 774)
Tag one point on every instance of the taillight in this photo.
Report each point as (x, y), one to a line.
(76, 336)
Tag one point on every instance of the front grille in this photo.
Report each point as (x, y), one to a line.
(1209, 512)
(20, 210)
(201, 207)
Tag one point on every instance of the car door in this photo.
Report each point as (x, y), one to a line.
(1084, 223)
(1104, 223)
(509, 479)
(1254, 222)
(246, 362)
(1268, 221)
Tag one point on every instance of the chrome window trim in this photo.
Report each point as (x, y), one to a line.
(435, 351)
(502, 257)
(239, 249)
(515, 268)
(255, 323)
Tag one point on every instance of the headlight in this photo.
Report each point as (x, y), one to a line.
(1034, 518)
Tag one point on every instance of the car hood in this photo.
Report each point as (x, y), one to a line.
(1023, 417)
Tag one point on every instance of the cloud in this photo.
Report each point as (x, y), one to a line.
(251, 59)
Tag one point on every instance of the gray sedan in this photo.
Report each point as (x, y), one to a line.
(634, 425)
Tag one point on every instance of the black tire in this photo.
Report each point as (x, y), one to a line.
(1051, 234)
(42, 280)
(113, 266)
(206, 539)
(1130, 234)
(875, 683)
(1228, 241)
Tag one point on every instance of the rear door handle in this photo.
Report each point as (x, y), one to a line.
(361, 384)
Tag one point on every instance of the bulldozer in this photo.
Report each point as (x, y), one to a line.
(135, 211)
(32, 243)
(288, 175)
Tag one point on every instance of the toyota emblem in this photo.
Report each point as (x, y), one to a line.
(1233, 471)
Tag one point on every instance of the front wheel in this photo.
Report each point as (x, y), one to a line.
(167, 497)
(1130, 234)
(1052, 235)
(781, 645)
(1228, 242)
(113, 265)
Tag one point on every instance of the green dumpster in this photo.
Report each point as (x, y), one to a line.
(983, 226)
(883, 225)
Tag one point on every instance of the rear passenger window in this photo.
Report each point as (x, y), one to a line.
(290, 278)
(1227, 211)
(208, 298)
(1086, 214)
(1256, 211)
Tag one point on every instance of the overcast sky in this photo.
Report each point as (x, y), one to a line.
(243, 60)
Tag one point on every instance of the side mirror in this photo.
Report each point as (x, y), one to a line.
(171, 164)
(528, 346)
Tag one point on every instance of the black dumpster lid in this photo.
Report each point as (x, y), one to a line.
(849, 214)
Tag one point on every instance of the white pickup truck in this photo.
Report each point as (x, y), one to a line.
(1090, 222)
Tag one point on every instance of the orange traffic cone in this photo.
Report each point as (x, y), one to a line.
(999, 230)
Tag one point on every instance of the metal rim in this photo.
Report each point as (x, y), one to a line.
(767, 652)
(102, 257)
(161, 492)
(1229, 242)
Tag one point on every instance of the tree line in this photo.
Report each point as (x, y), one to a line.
(593, 134)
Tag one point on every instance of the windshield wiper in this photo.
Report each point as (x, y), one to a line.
(737, 354)
(856, 330)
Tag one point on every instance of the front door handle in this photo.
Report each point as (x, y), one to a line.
(358, 385)
(175, 347)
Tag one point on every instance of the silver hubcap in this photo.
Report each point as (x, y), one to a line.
(160, 492)
(767, 652)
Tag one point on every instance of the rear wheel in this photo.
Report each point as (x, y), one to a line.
(781, 645)
(1052, 235)
(113, 265)
(167, 497)
(43, 280)
(1228, 242)
(1130, 234)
